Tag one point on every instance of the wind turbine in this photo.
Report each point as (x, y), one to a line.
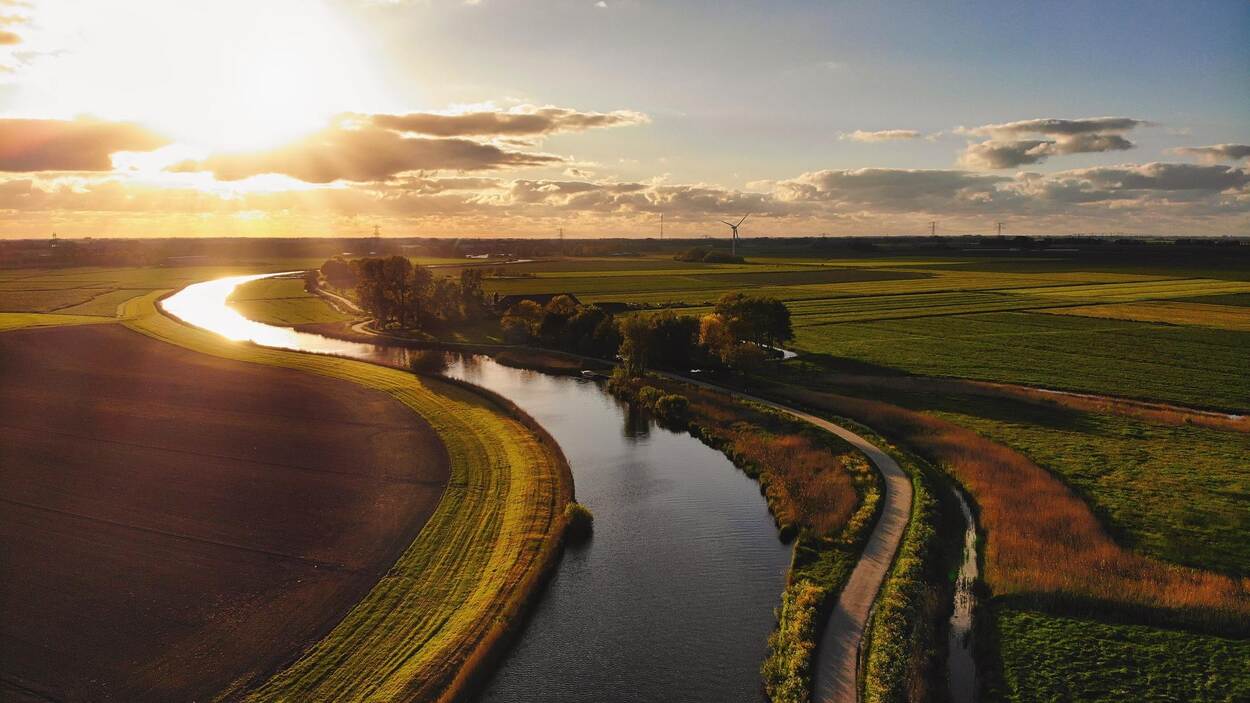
(733, 246)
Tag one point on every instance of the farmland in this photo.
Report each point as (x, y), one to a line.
(374, 618)
(273, 499)
(971, 319)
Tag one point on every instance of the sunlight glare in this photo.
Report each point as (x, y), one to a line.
(224, 75)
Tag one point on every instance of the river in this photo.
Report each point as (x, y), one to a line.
(673, 597)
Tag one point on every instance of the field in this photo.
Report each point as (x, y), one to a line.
(283, 301)
(1049, 658)
(422, 627)
(971, 319)
(245, 508)
(434, 617)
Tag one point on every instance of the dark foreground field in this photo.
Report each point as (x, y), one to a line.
(173, 524)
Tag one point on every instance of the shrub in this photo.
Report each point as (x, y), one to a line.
(673, 408)
(648, 396)
(579, 522)
(786, 670)
(427, 362)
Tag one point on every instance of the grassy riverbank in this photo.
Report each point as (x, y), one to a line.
(283, 302)
(442, 610)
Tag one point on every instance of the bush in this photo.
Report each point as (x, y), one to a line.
(673, 408)
(579, 522)
(427, 362)
(648, 395)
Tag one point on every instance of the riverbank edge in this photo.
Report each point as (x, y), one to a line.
(477, 665)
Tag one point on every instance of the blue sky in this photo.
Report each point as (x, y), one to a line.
(736, 105)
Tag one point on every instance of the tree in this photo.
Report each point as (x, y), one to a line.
(635, 348)
(674, 340)
(744, 357)
(714, 335)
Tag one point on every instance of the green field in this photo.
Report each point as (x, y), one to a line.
(282, 301)
(1189, 365)
(969, 318)
(1048, 658)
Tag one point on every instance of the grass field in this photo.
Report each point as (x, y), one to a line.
(969, 318)
(284, 302)
(1188, 365)
(1049, 658)
(1226, 317)
(421, 629)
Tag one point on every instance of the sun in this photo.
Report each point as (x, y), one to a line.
(224, 75)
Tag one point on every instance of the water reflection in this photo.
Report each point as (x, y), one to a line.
(962, 665)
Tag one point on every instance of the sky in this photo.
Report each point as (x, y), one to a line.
(516, 118)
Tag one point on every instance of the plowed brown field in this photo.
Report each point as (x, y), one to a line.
(172, 523)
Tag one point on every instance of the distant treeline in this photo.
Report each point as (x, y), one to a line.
(190, 251)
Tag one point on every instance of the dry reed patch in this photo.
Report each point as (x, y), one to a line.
(1042, 539)
(808, 476)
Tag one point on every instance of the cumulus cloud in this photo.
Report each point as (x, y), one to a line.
(522, 121)
(69, 145)
(881, 135)
(1054, 137)
(348, 152)
(1160, 177)
(1216, 152)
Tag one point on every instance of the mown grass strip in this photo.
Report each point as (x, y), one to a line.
(19, 320)
(440, 612)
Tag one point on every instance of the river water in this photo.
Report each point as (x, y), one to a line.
(673, 597)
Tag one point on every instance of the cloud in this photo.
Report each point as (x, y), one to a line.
(69, 145)
(1056, 127)
(1159, 177)
(1055, 137)
(994, 154)
(522, 121)
(888, 188)
(1158, 197)
(1216, 152)
(9, 38)
(882, 135)
(365, 152)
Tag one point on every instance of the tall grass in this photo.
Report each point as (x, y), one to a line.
(1043, 543)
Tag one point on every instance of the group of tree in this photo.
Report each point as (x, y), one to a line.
(562, 324)
(398, 293)
(739, 335)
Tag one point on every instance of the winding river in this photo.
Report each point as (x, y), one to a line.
(673, 597)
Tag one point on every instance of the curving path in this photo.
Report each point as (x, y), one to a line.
(837, 656)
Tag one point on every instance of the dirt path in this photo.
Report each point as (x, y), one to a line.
(837, 656)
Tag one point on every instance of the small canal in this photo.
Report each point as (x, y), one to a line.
(673, 597)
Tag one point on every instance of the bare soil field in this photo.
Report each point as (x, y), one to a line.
(174, 524)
